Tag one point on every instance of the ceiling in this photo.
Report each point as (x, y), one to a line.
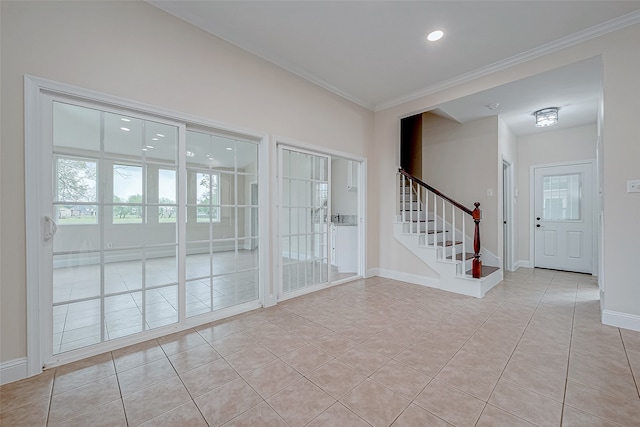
(374, 53)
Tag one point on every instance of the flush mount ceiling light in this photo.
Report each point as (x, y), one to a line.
(435, 35)
(546, 117)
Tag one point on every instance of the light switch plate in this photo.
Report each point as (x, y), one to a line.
(633, 186)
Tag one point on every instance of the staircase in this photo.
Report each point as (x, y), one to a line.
(434, 228)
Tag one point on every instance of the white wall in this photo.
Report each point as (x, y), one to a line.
(460, 160)
(343, 200)
(621, 151)
(136, 51)
(548, 147)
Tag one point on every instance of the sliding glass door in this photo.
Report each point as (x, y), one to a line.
(151, 224)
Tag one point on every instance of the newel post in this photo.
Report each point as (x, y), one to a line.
(476, 268)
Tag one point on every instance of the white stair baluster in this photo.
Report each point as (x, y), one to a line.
(453, 231)
(426, 217)
(404, 200)
(418, 211)
(464, 250)
(411, 206)
(444, 229)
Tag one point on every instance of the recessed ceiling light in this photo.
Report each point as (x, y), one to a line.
(144, 148)
(229, 148)
(150, 146)
(160, 135)
(190, 154)
(125, 129)
(154, 139)
(435, 35)
(125, 119)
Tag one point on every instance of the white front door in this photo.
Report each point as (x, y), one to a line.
(563, 217)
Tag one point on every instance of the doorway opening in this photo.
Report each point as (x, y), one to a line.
(507, 216)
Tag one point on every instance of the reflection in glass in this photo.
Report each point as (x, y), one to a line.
(76, 276)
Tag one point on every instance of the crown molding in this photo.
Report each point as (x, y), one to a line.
(563, 43)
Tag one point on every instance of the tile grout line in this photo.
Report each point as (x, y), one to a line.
(513, 351)
(124, 409)
(181, 381)
(53, 383)
(566, 379)
(629, 362)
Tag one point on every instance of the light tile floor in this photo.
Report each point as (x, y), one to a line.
(373, 352)
(79, 324)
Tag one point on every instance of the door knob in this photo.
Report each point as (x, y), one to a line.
(537, 225)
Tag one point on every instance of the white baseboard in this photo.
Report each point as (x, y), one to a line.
(404, 277)
(524, 263)
(371, 272)
(621, 320)
(13, 370)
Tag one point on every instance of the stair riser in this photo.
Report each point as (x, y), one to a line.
(409, 206)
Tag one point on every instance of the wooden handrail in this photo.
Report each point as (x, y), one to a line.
(476, 215)
(438, 193)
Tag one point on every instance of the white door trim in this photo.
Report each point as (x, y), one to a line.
(532, 222)
(507, 188)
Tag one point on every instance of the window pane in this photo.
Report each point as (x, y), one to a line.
(127, 214)
(166, 186)
(75, 127)
(222, 153)
(198, 149)
(123, 135)
(167, 214)
(207, 189)
(160, 142)
(76, 214)
(247, 156)
(562, 197)
(127, 184)
(75, 180)
(161, 306)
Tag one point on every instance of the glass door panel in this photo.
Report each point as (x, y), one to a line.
(115, 252)
(304, 186)
(222, 244)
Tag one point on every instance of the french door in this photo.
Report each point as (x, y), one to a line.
(304, 220)
(145, 223)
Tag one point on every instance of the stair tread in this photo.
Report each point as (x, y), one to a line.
(446, 243)
(469, 255)
(486, 270)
